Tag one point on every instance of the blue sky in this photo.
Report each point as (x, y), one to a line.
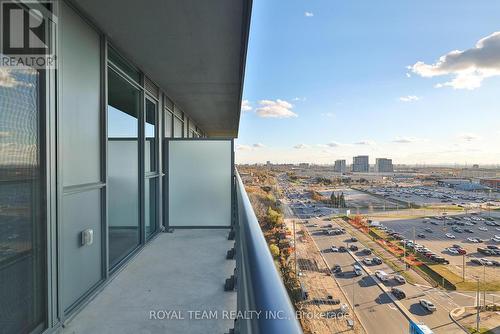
(329, 79)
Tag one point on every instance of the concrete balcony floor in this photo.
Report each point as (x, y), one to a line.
(181, 271)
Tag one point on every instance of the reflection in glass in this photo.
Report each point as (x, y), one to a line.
(150, 204)
(22, 223)
(178, 128)
(123, 167)
(150, 137)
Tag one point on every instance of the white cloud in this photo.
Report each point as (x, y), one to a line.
(408, 75)
(333, 144)
(365, 142)
(328, 114)
(469, 136)
(407, 140)
(275, 109)
(301, 99)
(245, 106)
(259, 145)
(242, 147)
(7, 80)
(469, 67)
(301, 146)
(409, 98)
(308, 14)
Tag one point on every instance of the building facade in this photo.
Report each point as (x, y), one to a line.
(493, 183)
(360, 164)
(103, 146)
(383, 165)
(340, 166)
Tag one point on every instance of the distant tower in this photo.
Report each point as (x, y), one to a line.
(360, 164)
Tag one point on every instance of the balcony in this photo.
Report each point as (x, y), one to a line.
(184, 271)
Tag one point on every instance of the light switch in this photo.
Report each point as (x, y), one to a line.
(87, 237)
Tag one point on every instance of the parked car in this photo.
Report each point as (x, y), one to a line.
(353, 239)
(486, 262)
(449, 235)
(421, 235)
(376, 260)
(353, 248)
(382, 275)
(334, 249)
(342, 249)
(427, 304)
(453, 251)
(476, 261)
(337, 268)
(468, 230)
(492, 247)
(474, 240)
(398, 293)
(482, 228)
(428, 229)
(367, 251)
(367, 261)
(400, 279)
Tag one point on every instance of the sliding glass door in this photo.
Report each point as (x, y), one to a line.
(124, 107)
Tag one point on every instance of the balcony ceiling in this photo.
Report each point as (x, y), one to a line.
(194, 49)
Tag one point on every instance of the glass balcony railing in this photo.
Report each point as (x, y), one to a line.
(262, 300)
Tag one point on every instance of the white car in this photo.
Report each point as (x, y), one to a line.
(449, 235)
(334, 249)
(495, 239)
(453, 251)
(427, 304)
(497, 236)
(381, 275)
(367, 261)
(486, 262)
(400, 279)
(482, 228)
(474, 240)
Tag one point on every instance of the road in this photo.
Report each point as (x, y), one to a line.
(372, 304)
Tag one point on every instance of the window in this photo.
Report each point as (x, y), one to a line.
(150, 136)
(22, 203)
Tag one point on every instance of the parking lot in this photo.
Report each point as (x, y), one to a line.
(434, 195)
(434, 232)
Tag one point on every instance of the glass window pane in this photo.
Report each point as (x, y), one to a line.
(150, 209)
(123, 172)
(150, 143)
(168, 124)
(178, 128)
(123, 65)
(22, 224)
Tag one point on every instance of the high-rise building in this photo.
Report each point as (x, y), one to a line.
(340, 166)
(383, 165)
(360, 164)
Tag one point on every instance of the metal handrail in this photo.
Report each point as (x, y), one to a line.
(262, 300)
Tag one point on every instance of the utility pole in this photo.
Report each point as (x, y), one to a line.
(477, 302)
(484, 287)
(295, 249)
(413, 234)
(463, 267)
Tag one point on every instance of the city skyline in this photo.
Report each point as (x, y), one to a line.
(340, 82)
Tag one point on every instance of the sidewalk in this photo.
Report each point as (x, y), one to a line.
(317, 281)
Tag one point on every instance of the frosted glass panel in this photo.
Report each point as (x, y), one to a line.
(200, 178)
